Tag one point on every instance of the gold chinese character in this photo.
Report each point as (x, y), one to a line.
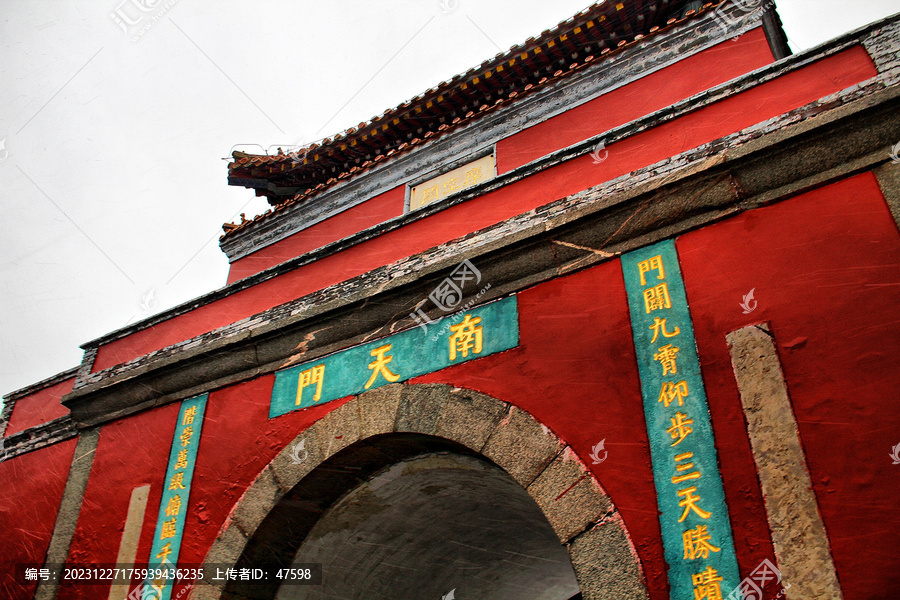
(706, 585)
(177, 482)
(666, 357)
(165, 551)
(379, 365)
(168, 529)
(657, 298)
(651, 264)
(697, 543)
(690, 504)
(189, 415)
(174, 506)
(659, 326)
(315, 375)
(181, 461)
(186, 435)
(673, 391)
(451, 185)
(430, 194)
(679, 429)
(466, 337)
(685, 467)
(472, 176)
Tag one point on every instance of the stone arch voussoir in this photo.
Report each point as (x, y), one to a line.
(579, 510)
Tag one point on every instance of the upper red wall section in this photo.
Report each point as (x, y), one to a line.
(371, 212)
(650, 93)
(742, 110)
(40, 407)
(656, 91)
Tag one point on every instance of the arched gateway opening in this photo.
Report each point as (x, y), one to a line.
(413, 491)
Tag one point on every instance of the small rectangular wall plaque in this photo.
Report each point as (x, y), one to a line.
(443, 185)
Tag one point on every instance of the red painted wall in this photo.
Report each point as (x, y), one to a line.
(33, 484)
(39, 407)
(692, 75)
(652, 92)
(575, 371)
(771, 99)
(824, 266)
(377, 210)
(130, 453)
(825, 269)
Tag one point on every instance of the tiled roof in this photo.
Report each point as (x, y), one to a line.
(592, 35)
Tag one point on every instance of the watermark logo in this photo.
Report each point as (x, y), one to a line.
(297, 151)
(896, 454)
(450, 595)
(148, 301)
(895, 154)
(751, 588)
(596, 450)
(449, 293)
(136, 17)
(296, 450)
(749, 304)
(599, 153)
(447, 6)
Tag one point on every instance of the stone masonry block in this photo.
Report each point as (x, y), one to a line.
(257, 501)
(378, 410)
(521, 446)
(299, 457)
(205, 589)
(228, 547)
(421, 406)
(569, 496)
(338, 429)
(469, 417)
(605, 564)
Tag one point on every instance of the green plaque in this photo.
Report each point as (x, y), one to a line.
(456, 339)
(174, 503)
(696, 529)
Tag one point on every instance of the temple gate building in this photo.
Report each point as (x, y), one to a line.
(611, 315)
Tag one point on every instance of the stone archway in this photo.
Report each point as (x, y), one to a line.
(351, 442)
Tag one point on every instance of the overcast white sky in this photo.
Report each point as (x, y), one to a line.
(112, 182)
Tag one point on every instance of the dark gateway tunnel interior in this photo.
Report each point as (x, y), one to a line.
(407, 516)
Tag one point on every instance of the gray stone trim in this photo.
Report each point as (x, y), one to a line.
(575, 505)
(681, 108)
(69, 508)
(598, 569)
(882, 45)
(5, 415)
(841, 135)
(798, 534)
(888, 176)
(606, 75)
(37, 437)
